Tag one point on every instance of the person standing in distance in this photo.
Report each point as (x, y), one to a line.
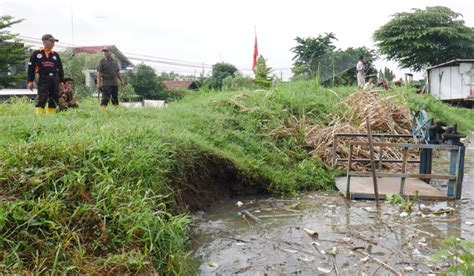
(360, 73)
(50, 71)
(108, 75)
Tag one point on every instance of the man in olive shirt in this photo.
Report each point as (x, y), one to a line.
(108, 75)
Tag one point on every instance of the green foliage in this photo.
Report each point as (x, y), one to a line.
(425, 37)
(145, 82)
(172, 76)
(406, 204)
(220, 71)
(394, 199)
(460, 254)
(13, 54)
(74, 66)
(436, 109)
(310, 52)
(262, 73)
(175, 95)
(319, 55)
(237, 82)
(387, 74)
(127, 93)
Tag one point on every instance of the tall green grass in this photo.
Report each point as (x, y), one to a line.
(438, 110)
(107, 191)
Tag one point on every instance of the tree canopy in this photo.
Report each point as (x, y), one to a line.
(425, 37)
(13, 54)
(309, 52)
(262, 73)
(144, 81)
(74, 66)
(220, 71)
(318, 57)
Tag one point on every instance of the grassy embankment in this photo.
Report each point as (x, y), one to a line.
(106, 190)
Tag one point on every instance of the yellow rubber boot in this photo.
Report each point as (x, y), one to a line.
(51, 110)
(39, 110)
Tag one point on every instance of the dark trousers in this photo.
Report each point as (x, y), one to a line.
(107, 93)
(48, 92)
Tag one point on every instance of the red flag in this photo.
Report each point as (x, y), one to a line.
(255, 53)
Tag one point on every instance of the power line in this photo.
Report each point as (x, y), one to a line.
(153, 59)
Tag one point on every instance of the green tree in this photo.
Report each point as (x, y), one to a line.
(387, 74)
(262, 73)
(344, 62)
(425, 37)
(172, 76)
(74, 67)
(12, 54)
(310, 52)
(220, 71)
(144, 81)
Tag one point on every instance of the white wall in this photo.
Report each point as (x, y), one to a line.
(452, 82)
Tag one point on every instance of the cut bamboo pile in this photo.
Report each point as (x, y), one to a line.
(386, 116)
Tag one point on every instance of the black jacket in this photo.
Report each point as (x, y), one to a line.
(45, 63)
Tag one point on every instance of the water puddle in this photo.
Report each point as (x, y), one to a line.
(321, 233)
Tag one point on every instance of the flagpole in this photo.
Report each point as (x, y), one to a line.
(255, 49)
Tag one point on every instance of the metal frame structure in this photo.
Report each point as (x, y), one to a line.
(455, 175)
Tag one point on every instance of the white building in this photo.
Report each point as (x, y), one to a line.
(453, 80)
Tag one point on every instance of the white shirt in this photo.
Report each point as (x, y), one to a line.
(360, 66)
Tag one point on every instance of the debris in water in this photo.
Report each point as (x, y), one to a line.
(325, 270)
(364, 260)
(423, 207)
(212, 264)
(469, 223)
(311, 233)
(408, 269)
(239, 203)
(370, 210)
(403, 214)
(290, 251)
(333, 251)
(307, 259)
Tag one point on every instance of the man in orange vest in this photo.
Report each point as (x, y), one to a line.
(49, 67)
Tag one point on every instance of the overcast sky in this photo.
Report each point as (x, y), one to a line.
(204, 31)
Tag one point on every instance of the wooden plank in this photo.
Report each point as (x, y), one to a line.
(404, 170)
(362, 160)
(348, 182)
(412, 175)
(372, 162)
(403, 145)
(361, 188)
(386, 135)
(334, 152)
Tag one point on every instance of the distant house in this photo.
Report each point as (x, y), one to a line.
(124, 62)
(179, 85)
(452, 81)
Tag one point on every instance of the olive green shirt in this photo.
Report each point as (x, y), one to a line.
(109, 69)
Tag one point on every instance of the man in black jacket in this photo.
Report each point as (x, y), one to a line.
(48, 65)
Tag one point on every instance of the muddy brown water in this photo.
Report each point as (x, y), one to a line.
(227, 243)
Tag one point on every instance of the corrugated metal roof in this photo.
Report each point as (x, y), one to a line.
(171, 85)
(98, 49)
(452, 62)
